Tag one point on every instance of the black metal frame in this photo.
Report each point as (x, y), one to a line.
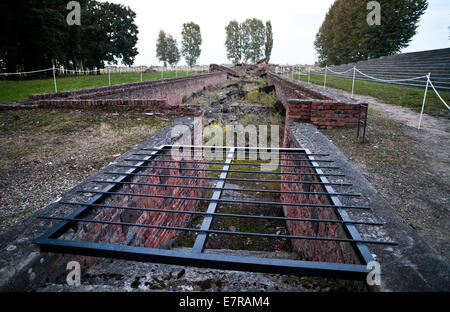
(364, 123)
(51, 241)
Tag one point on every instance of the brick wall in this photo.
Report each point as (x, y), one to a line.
(307, 105)
(112, 97)
(324, 114)
(156, 106)
(140, 236)
(312, 250)
(149, 237)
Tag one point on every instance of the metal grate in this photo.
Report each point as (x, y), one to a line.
(144, 165)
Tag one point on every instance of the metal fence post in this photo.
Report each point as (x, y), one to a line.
(325, 77)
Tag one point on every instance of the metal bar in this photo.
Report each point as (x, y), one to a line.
(226, 179)
(226, 189)
(176, 228)
(196, 147)
(237, 157)
(214, 261)
(365, 122)
(234, 171)
(222, 149)
(359, 121)
(62, 227)
(231, 215)
(236, 201)
(283, 266)
(200, 241)
(364, 253)
(221, 163)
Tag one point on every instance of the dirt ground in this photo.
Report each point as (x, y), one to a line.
(409, 167)
(44, 153)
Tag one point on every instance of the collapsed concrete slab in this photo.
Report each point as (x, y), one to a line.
(214, 68)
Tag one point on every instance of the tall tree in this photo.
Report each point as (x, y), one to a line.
(32, 34)
(109, 35)
(191, 42)
(233, 42)
(253, 39)
(35, 35)
(346, 36)
(173, 54)
(269, 41)
(162, 48)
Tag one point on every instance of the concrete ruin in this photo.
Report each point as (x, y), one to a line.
(410, 266)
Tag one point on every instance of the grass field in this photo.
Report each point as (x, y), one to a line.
(11, 90)
(393, 94)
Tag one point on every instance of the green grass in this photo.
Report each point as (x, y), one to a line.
(11, 90)
(393, 94)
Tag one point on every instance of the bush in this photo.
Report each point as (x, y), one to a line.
(255, 96)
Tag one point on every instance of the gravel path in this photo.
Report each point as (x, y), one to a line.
(409, 167)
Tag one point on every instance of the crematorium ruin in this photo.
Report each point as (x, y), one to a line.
(177, 213)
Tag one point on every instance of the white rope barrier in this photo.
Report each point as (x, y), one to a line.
(29, 72)
(340, 73)
(439, 96)
(425, 98)
(427, 77)
(393, 80)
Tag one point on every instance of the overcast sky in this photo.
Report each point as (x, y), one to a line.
(294, 22)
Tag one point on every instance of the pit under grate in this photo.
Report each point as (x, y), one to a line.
(175, 171)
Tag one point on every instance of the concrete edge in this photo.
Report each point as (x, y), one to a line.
(412, 265)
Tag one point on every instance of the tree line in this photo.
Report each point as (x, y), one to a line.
(346, 35)
(248, 41)
(36, 35)
(167, 48)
